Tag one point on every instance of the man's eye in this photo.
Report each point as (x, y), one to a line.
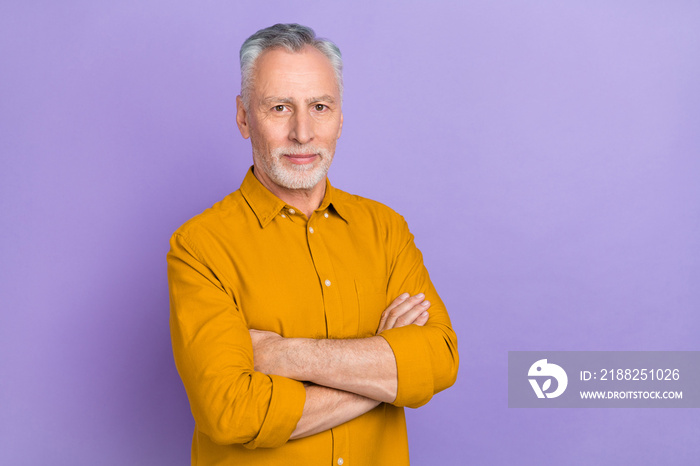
(320, 107)
(278, 108)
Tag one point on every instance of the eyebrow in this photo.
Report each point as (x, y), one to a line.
(323, 98)
(273, 99)
(288, 100)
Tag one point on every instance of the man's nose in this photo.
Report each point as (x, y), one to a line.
(302, 128)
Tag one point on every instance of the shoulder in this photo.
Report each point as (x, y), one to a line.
(362, 209)
(220, 216)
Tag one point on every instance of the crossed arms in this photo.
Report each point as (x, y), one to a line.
(345, 378)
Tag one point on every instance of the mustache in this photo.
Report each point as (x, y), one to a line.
(300, 150)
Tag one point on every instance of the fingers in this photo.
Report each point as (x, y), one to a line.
(422, 319)
(405, 310)
(410, 316)
(395, 310)
(400, 299)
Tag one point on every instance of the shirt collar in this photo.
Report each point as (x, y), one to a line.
(266, 205)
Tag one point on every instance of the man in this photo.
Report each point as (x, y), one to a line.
(302, 317)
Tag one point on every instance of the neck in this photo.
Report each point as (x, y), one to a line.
(304, 200)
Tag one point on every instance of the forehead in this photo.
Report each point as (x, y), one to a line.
(294, 74)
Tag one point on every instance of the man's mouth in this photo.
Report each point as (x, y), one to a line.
(300, 158)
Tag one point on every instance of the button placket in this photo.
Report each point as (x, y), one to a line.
(331, 285)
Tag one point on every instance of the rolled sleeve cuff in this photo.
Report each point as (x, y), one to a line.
(286, 406)
(414, 371)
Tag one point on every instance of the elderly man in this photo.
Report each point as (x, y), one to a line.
(302, 317)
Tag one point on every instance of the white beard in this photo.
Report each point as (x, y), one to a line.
(295, 176)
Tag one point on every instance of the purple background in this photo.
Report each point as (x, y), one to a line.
(545, 153)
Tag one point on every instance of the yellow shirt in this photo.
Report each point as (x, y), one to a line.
(251, 261)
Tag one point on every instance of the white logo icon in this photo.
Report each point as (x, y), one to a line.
(543, 369)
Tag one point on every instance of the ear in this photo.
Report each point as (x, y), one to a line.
(340, 128)
(242, 118)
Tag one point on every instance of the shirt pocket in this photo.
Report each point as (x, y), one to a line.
(371, 302)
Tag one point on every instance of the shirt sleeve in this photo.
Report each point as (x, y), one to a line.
(426, 357)
(230, 402)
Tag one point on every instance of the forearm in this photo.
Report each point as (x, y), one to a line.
(364, 366)
(326, 408)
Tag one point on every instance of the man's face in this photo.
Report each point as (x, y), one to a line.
(294, 118)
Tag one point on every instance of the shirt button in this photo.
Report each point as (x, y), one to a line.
(328, 283)
(311, 230)
(326, 215)
(292, 211)
(283, 216)
(340, 461)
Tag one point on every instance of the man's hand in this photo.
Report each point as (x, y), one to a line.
(267, 351)
(405, 310)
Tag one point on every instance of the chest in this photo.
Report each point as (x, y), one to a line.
(318, 279)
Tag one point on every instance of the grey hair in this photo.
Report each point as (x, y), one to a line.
(293, 38)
